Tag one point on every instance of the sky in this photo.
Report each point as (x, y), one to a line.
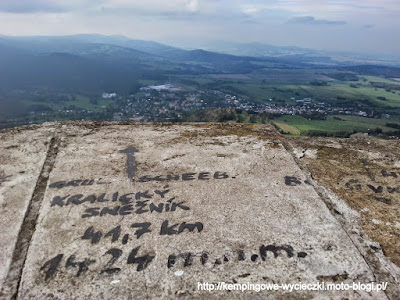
(347, 25)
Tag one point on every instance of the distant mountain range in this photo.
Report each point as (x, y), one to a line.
(91, 62)
(261, 50)
(96, 62)
(88, 44)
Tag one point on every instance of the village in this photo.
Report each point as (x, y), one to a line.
(169, 103)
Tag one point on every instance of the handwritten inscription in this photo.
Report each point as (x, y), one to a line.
(158, 201)
(292, 181)
(377, 189)
(130, 203)
(185, 177)
(128, 198)
(140, 229)
(265, 252)
(187, 259)
(386, 173)
(146, 178)
(51, 266)
(76, 182)
(354, 184)
(140, 207)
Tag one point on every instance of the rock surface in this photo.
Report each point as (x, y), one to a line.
(129, 211)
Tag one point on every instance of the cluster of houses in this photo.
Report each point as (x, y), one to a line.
(108, 95)
(171, 103)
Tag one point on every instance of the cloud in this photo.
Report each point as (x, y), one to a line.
(192, 5)
(250, 7)
(279, 22)
(251, 10)
(29, 6)
(309, 20)
(154, 9)
(150, 7)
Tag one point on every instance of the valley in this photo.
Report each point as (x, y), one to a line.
(65, 78)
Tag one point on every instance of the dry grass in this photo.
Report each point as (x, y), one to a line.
(359, 163)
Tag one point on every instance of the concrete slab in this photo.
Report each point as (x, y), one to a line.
(150, 211)
(22, 154)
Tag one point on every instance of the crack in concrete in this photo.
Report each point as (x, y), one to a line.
(374, 264)
(13, 279)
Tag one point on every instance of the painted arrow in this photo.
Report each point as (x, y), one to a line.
(130, 160)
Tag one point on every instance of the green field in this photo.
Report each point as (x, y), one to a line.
(12, 108)
(286, 127)
(339, 123)
(282, 91)
(83, 102)
(379, 79)
(78, 102)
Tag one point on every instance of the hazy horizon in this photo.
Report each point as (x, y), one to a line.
(335, 25)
